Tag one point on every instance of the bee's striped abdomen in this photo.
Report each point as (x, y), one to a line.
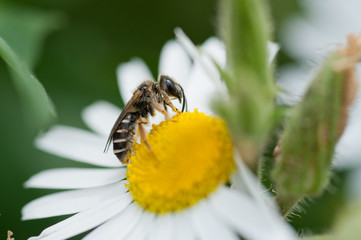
(124, 136)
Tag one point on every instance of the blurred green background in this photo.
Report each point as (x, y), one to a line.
(73, 47)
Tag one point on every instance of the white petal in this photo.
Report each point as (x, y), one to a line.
(204, 61)
(216, 50)
(348, 151)
(246, 182)
(174, 61)
(273, 49)
(101, 116)
(157, 119)
(86, 220)
(143, 228)
(294, 81)
(301, 39)
(183, 226)
(69, 202)
(78, 145)
(130, 75)
(324, 27)
(353, 186)
(72, 178)
(200, 90)
(208, 226)
(243, 215)
(164, 228)
(119, 227)
(186, 43)
(205, 82)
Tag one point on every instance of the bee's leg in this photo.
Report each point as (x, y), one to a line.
(142, 133)
(168, 102)
(159, 107)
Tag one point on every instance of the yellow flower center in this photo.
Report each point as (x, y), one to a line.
(191, 155)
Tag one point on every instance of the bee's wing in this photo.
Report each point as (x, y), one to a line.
(126, 109)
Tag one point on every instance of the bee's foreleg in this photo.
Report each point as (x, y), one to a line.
(142, 132)
(168, 102)
(159, 107)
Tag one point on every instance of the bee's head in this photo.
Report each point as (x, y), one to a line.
(172, 89)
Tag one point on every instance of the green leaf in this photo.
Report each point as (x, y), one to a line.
(25, 30)
(36, 102)
(22, 33)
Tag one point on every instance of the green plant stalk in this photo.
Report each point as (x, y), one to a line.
(249, 112)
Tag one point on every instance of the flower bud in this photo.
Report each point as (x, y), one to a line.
(307, 145)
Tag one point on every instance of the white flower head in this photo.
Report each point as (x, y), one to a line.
(108, 198)
(324, 27)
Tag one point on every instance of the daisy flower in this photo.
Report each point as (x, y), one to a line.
(176, 191)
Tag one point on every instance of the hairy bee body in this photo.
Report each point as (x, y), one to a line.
(123, 138)
(148, 97)
(125, 134)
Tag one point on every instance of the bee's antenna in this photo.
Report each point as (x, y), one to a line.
(106, 148)
(184, 100)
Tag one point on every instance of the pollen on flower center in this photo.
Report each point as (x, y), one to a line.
(191, 155)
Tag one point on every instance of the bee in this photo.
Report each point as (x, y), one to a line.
(148, 97)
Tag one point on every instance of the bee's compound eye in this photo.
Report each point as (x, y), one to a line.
(171, 88)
